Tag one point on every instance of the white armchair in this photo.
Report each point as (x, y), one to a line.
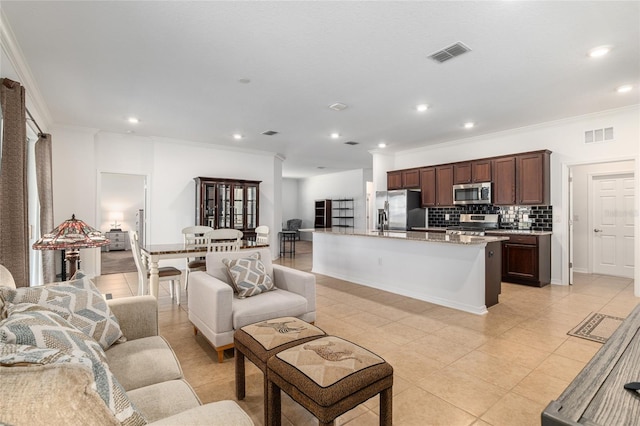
(217, 312)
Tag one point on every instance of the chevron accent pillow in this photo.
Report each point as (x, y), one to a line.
(248, 275)
(12, 354)
(78, 301)
(31, 324)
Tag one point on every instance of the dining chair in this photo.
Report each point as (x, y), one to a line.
(194, 236)
(262, 234)
(165, 273)
(224, 240)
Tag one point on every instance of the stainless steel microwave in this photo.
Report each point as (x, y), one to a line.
(472, 193)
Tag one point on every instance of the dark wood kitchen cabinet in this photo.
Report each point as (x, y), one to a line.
(526, 259)
(472, 172)
(228, 203)
(504, 180)
(394, 180)
(481, 171)
(522, 179)
(436, 186)
(462, 173)
(444, 186)
(428, 186)
(533, 178)
(403, 179)
(411, 179)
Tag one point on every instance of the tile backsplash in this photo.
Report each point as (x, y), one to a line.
(534, 218)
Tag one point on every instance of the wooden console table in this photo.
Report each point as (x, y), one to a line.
(597, 396)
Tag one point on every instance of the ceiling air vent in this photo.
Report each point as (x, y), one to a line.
(598, 135)
(269, 133)
(449, 52)
(351, 143)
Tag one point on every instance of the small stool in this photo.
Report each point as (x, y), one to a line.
(288, 237)
(329, 376)
(262, 340)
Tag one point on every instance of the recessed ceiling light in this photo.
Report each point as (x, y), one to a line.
(422, 107)
(382, 145)
(335, 135)
(600, 51)
(469, 125)
(624, 89)
(338, 106)
(133, 120)
(321, 167)
(244, 80)
(237, 136)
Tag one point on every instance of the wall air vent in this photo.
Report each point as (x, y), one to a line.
(351, 143)
(598, 135)
(269, 133)
(450, 52)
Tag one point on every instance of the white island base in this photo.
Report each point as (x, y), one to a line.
(444, 273)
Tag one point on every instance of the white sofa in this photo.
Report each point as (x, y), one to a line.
(217, 312)
(145, 366)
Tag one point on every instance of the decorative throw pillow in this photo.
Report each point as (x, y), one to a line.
(248, 275)
(12, 354)
(30, 324)
(78, 301)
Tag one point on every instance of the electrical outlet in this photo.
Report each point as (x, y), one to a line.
(446, 216)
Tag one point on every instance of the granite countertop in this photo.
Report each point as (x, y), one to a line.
(433, 237)
(430, 228)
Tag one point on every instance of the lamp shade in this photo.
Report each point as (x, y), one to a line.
(71, 234)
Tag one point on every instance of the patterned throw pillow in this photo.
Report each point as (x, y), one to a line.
(12, 354)
(30, 324)
(78, 301)
(248, 275)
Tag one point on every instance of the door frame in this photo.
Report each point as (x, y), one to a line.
(590, 219)
(98, 220)
(565, 173)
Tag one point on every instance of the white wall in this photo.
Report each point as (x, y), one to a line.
(80, 155)
(349, 184)
(290, 200)
(564, 138)
(581, 205)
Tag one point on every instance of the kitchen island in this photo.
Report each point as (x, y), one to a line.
(457, 271)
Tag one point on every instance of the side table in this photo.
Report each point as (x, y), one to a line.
(288, 237)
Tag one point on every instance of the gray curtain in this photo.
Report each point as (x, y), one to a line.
(14, 221)
(44, 171)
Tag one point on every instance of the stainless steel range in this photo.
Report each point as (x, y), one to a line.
(474, 224)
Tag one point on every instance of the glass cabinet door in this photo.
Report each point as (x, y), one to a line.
(209, 205)
(252, 206)
(224, 205)
(238, 206)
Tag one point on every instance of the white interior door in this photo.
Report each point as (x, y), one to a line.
(613, 224)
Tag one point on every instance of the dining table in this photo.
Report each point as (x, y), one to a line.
(153, 253)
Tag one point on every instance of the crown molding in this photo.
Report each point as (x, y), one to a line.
(34, 100)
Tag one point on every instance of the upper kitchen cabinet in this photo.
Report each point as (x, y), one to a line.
(522, 179)
(394, 180)
(462, 173)
(472, 172)
(436, 186)
(428, 186)
(504, 180)
(403, 179)
(533, 178)
(481, 170)
(411, 179)
(444, 186)
(228, 203)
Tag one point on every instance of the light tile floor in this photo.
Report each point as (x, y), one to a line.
(450, 367)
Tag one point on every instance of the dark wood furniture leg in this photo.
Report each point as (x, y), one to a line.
(240, 380)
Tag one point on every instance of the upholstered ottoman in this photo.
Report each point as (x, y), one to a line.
(262, 340)
(329, 376)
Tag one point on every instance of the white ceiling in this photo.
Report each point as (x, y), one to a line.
(176, 66)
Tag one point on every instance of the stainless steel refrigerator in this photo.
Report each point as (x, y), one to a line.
(401, 208)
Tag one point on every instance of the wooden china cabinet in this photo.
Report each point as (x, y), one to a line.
(228, 203)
